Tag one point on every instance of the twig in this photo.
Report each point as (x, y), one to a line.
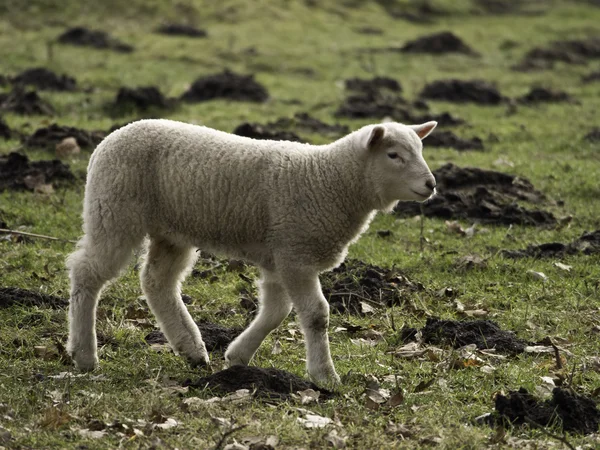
(422, 237)
(228, 433)
(41, 236)
(559, 364)
(552, 435)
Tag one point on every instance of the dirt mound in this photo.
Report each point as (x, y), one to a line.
(438, 43)
(25, 102)
(140, 99)
(179, 29)
(45, 79)
(444, 119)
(449, 139)
(591, 77)
(543, 95)
(463, 91)
(267, 383)
(355, 286)
(5, 131)
(226, 85)
(587, 243)
(485, 195)
(10, 296)
(215, 336)
(311, 124)
(571, 52)
(373, 105)
(572, 412)
(257, 131)
(18, 173)
(593, 136)
(85, 37)
(486, 334)
(48, 137)
(521, 7)
(375, 84)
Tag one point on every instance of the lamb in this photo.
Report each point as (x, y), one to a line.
(291, 209)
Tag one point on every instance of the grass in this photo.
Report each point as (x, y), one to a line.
(132, 385)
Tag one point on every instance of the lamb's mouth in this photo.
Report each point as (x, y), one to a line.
(423, 195)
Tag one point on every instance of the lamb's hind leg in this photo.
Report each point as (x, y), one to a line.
(165, 267)
(274, 307)
(95, 262)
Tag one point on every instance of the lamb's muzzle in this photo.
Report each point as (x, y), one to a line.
(291, 209)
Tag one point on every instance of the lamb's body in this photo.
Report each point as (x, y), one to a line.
(292, 209)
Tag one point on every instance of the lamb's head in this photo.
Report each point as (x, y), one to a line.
(395, 167)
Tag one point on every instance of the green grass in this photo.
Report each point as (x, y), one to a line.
(131, 386)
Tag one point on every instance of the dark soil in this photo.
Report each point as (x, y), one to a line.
(543, 95)
(45, 79)
(449, 139)
(266, 383)
(48, 137)
(444, 119)
(215, 337)
(375, 84)
(25, 102)
(15, 168)
(226, 85)
(570, 52)
(354, 282)
(593, 136)
(140, 99)
(463, 91)
(438, 43)
(486, 334)
(591, 77)
(178, 29)
(312, 124)
(10, 296)
(372, 105)
(257, 131)
(5, 131)
(521, 7)
(485, 195)
(587, 244)
(85, 37)
(574, 413)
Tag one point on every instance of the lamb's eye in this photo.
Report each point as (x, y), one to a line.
(393, 155)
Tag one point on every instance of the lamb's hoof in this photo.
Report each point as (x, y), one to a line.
(325, 378)
(85, 363)
(234, 360)
(199, 363)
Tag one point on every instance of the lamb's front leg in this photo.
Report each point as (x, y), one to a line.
(274, 307)
(313, 312)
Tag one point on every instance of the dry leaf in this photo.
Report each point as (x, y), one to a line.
(335, 439)
(562, 266)
(455, 227)
(308, 396)
(92, 434)
(67, 147)
(235, 446)
(366, 308)
(538, 275)
(276, 348)
(475, 313)
(55, 417)
(311, 420)
(168, 423)
(396, 399)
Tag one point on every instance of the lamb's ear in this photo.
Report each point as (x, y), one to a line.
(424, 129)
(373, 137)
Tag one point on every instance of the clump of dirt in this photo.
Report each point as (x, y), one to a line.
(591, 77)
(311, 124)
(5, 131)
(438, 43)
(48, 137)
(571, 52)
(266, 383)
(449, 139)
(522, 7)
(257, 131)
(84, 37)
(18, 173)
(375, 84)
(542, 95)
(21, 101)
(463, 91)
(588, 244)
(226, 85)
(573, 412)
(354, 284)
(485, 195)
(486, 334)
(215, 336)
(444, 119)
(593, 136)
(45, 79)
(140, 99)
(179, 29)
(10, 296)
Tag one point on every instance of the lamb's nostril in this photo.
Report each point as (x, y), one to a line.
(430, 184)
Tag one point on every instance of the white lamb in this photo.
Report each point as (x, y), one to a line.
(291, 209)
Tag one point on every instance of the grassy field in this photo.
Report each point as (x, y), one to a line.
(301, 52)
